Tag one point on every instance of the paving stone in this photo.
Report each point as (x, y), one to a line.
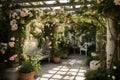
(79, 78)
(57, 76)
(82, 71)
(71, 73)
(43, 79)
(61, 72)
(64, 69)
(56, 68)
(52, 71)
(72, 68)
(68, 78)
(80, 74)
(47, 75)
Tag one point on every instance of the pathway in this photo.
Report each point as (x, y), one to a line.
(72, 68)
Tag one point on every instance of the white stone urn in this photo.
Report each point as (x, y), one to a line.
(94, 64)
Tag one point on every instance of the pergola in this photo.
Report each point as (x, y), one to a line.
(50, 5)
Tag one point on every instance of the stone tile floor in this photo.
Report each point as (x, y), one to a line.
(72, 68)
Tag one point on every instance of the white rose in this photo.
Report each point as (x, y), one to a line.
(14, 15)
(99, 1)
(117, 2)
(108, 75)
(12, 38)
(22, 21)
(50, 43)
(113, 77)
(13, 22)
(30, 14)
(17, 17)
(14, 27)
(23, 14)
(114, 67)
(11, 44)
(51, 34)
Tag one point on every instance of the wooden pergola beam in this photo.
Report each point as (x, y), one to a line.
(22, 1)
(58, 4)
(71, 9)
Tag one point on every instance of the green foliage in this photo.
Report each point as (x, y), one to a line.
(100, 74)
(106, 7)
(31, 64)
(115, 71)
(57, 52)
(13, 31)
(35, 60)
(26, 67)
(63, 45)
(37, 31)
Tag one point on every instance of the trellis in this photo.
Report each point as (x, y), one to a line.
(69, 5)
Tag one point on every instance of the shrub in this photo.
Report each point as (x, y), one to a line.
(115, 71)
(99, 74)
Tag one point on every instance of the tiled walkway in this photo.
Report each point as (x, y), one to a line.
(72, 68)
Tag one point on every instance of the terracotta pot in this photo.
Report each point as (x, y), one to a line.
(56, 59)
(26, 76)
(64, 56)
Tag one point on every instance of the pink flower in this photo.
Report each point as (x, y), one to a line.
(117, 2)
(5, 60)
(3, 51)
(24, 56)
(11, 44)
(14, 27)
(12, 58)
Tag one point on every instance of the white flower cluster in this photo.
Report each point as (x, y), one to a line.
(18, 17)
(14, 25)
(112, 76)
(99, 1)
(117, 2)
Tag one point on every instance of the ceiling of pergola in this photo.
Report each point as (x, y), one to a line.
(50, 5)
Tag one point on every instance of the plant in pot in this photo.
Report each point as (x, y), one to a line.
(29, 67)
(56, 55)
(64, 48)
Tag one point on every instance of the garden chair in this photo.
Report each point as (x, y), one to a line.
(84, 48)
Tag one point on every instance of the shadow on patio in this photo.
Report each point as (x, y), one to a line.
(72, 68)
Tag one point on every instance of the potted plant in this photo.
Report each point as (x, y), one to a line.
(64, 48)
(56, 55)
(29, 67)
(64, 54)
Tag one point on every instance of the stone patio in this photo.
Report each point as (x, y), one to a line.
(72, 68)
